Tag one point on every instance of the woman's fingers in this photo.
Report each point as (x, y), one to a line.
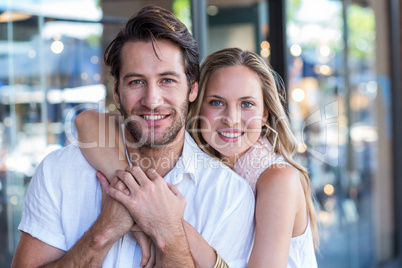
(103, 181)
(118, 195)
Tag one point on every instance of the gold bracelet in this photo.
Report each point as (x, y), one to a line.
(220, 263)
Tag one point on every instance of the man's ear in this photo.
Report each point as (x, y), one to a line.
(116, 95)
(194, 92)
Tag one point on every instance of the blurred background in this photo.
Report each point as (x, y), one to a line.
(340, 61)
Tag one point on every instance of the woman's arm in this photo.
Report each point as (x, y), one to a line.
(107, 157)
(279, 198)
(100, 141)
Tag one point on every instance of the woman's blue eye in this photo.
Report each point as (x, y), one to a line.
(247, 104)
(215, 102)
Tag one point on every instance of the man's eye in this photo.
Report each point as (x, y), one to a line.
(167, 80)
(215, 103)
(247, 104)
(136, 82)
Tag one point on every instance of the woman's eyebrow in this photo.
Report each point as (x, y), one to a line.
(248, 97)
(213, 96)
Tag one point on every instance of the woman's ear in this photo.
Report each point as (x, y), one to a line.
(264, 119)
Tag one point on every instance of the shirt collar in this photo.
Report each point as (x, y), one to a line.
(187, 161)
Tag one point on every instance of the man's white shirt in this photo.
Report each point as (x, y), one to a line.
(64, 200)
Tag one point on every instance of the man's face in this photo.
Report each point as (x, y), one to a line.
(154, 93)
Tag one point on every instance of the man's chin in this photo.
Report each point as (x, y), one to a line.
(155, 142)
(157, 138)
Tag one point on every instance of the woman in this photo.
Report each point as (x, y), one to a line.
(238, 118)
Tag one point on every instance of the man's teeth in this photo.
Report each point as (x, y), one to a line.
(153, 117)
(230, 134)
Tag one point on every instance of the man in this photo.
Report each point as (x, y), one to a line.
(69, 221)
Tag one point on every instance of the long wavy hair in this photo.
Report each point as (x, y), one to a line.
(273, 103)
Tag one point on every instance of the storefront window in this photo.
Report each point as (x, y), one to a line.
(339, 106)
(242, 24)
(51, 68)
(50, 61)
(335, 114)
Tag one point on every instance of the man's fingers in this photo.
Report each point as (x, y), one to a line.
(145, 244)
(152, 174)
(138, 174)
(152, 260)
(174, 190)
(128, 180)
(136, 228)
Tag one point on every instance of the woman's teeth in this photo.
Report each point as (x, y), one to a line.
(230, 134)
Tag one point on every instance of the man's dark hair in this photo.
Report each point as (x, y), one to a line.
(151, 24)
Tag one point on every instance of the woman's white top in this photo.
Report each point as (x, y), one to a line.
(250, 166)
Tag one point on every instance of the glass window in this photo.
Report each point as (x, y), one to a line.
(340, 116)
(50, 61)
(242, 24)
(51, 68)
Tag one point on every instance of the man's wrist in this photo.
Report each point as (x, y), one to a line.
(164, 240)
(102, 235)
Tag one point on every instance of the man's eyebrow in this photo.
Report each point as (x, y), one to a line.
(169, 73)
(129, 75)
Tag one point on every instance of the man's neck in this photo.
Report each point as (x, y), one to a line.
(162, 159)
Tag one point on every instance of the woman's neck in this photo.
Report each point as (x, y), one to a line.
(232, 159)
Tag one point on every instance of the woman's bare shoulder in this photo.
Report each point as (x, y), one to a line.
(279, 178)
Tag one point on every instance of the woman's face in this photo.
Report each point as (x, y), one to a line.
(232, 112)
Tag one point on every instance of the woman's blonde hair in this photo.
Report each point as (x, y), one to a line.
(277, 119)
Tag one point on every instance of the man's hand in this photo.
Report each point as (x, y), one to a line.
(145, 242)
(147, 247)
(158, 210)
(113, 214)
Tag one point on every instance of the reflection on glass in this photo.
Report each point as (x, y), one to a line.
(47, 66)
(242, 24)
(333, 113)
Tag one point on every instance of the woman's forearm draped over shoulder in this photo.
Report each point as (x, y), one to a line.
(100, 141)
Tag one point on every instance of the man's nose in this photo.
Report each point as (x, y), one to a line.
(152, 97)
